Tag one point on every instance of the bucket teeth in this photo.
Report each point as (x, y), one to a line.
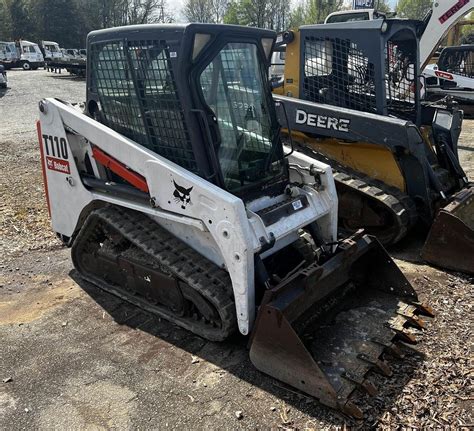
(423, 309)
(397, 325)
(379, 365)
(412, 319)
(395, 350)
(362, 383)
(350, 409)
(391, 348)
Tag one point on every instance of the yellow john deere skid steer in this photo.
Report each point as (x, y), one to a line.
(351, 98)
(174, 191)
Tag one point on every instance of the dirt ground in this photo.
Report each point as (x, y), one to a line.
(72, 357)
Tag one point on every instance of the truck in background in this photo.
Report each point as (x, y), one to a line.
(31, 57)
(8, 54)
(51, 50)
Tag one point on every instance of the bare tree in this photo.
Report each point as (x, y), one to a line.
(219, 8)
(199, 10)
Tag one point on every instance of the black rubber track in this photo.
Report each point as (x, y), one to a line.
(399, 205)
(173, 257)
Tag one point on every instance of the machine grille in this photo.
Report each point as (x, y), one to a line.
(138, 97)
(400, 74)
(338, 73)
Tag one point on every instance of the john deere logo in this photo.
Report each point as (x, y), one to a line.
(322, 121)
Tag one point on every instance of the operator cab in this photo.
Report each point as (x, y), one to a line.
(196, 94)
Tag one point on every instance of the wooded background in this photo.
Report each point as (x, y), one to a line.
(68, 21)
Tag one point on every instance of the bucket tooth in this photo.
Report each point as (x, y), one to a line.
(397, 324)
(391, 348)
(423, 309)
(350, 409)
(405, 336)
(362, 383)
(395, 350)
(411, 318)
(379, 365)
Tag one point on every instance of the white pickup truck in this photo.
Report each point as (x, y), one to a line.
(30, 55)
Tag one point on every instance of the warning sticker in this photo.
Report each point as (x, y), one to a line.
(58, 165)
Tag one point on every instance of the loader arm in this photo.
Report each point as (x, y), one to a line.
(443, 17)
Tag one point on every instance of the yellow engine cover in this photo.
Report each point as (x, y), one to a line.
(374, 161)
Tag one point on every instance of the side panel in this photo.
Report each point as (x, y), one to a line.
(373, 160)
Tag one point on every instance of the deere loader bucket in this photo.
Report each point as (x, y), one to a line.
(450, 242)
(324, 328)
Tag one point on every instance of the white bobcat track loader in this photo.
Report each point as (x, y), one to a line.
(175, 193)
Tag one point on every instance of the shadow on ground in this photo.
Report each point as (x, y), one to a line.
(223, 355)
(66, 76)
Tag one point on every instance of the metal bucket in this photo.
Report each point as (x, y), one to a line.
(450, 242)
(325, 327)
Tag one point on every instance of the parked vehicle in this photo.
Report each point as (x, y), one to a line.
(74, 54)
(453, 75)
(51, 51)
(3, 77)
(30, 55)
(72, 61)
(8, 54)
(353, 15)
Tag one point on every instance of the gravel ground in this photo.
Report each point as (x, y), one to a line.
(73, 357)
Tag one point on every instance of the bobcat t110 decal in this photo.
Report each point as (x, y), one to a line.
(56, 154)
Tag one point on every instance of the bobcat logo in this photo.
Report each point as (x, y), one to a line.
(182, 195)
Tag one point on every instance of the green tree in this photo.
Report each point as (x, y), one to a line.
(313, 11)
(21, 21)
(5, 28)
(60, 21)
(298, 16)
(199, 11)
(273, 14)
(383, 6)
(413, 9)
(231, 16)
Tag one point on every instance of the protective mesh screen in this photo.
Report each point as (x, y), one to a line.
(459, 61)
(139, 98)
(400, 75)
(338, 73)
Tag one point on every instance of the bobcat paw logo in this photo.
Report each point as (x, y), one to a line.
(182, 195)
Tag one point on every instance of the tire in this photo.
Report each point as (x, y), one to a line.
(3, 85)
(26, 65)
